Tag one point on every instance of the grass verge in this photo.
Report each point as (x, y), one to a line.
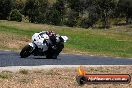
(116, 41)
(63, 78)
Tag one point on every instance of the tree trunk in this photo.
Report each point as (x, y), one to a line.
(106, 24)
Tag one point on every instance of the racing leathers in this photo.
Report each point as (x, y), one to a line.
(55, 44)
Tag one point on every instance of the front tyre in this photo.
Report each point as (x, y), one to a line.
(26, 51)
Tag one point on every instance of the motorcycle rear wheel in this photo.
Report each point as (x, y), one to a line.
(26, 51)
(51, 54)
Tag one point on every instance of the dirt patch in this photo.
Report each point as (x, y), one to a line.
(61, 78)
(16, 44)
(12, 41)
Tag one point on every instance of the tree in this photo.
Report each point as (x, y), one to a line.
(75, 5)
(60, 7)
(125, 10)
(56, 12)
(72, 18)
(106, 8)
(43, 9)
(90, 13)
(36, 10)
(31, 10)
(15, 15)
(18, 4)
(53, 17)
(74, 11)
(5, 9)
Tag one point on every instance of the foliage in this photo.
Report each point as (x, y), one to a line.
(106, 8)
(23, 71)
(18, 4)
(15, 15)
(53, 17)
(90, 13)
(43, 8)
(60, 7)
(5, 75)
(125, 10)
(79, 13)
(72, 18)
(5, 8)
(31, 10)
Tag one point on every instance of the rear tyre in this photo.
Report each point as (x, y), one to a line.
(50, 54)
(26, 51)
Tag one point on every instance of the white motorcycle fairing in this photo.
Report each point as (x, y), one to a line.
(65, 38)
(41, 45)
(37, 40)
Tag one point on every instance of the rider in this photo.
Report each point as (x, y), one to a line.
(55, 44)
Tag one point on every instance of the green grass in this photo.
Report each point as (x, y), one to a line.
(116, 41)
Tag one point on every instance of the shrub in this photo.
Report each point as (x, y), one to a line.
(85, 23)
(5, 74)
(53, 17)
(72, 19)
(5, 9)
(15, 15)
(23, 71)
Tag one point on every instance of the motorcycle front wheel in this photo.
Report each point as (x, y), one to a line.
(26, 51)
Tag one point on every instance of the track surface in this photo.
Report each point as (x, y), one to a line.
(10, 58)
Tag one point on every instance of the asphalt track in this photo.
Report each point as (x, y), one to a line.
(10, 58)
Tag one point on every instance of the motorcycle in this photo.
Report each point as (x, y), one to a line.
(41, 46)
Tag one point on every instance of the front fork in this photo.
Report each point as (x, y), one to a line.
(33, 46)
